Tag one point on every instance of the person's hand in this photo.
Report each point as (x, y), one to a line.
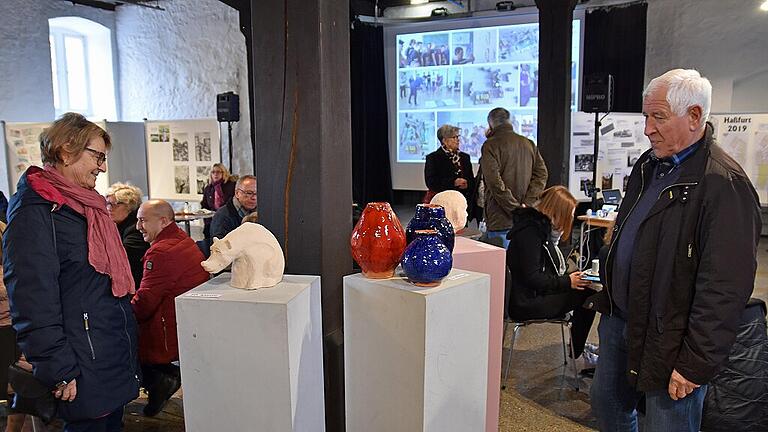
(679, 387)
(460, 183)
(577, 282)
(66, 393)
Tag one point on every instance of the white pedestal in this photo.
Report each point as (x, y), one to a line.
(252, 359)
(416, 359)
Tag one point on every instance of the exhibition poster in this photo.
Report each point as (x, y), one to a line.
(23, 150)
(179, 157)
(622, 140)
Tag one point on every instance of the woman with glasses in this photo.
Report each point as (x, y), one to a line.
(447, 168)
(123, 201)
(219, 190)
(69, 281)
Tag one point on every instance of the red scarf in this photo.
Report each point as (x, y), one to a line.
(105, 249)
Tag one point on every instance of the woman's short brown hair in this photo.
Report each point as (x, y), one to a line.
(69, 135)
(558, 205)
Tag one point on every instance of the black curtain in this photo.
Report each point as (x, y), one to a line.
(614, 43)
(371, 177)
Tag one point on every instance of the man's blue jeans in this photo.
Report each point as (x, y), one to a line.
(502, 234)
(614, 401)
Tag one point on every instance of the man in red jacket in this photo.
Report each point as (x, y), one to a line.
(171, 268)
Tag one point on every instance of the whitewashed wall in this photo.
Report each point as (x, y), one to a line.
(172, 64)
(26, 87)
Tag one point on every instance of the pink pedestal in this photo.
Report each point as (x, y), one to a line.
(484, 258)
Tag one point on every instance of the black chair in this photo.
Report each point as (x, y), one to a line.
(518, 323)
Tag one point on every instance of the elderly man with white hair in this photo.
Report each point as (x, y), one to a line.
(680, 269)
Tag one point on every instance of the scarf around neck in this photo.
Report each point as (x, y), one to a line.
(105, 250)
(454, 157)
(218, 195)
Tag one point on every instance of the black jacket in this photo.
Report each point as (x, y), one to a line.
(440, 173)
(693, 268)
(134, 245)
(227, 188)
(737, 398)
(533, 263)
(68, 323)
(226, 219)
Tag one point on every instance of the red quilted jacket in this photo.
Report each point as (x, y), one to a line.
(171, 268)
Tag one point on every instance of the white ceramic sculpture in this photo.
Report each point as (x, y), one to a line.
(455, 206)
(256, 257)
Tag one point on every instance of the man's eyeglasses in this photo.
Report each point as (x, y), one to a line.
(451, 137)
(113, 205)
(100, 157)
(249, 194)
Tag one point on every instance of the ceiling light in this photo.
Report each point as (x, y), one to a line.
(419, 1)
(764, 6)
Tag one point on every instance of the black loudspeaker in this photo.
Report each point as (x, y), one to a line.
(228, 107)
(597, 93)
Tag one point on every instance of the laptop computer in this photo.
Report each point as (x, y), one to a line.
(612, 197)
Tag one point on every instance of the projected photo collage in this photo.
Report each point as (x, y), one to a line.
(457, 76)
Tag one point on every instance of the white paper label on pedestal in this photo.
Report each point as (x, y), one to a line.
(457, 276)
(203, 295)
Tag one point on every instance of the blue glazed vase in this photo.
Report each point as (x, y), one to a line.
(426, 260)
(431, 216)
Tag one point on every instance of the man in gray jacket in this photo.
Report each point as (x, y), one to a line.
(513, 171)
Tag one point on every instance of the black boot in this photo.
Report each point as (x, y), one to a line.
(160, 392)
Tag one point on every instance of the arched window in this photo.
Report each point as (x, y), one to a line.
(82, 68)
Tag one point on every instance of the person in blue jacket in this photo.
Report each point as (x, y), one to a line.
(69, 281)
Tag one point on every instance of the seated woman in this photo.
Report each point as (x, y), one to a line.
(219, 190)
(541, 289)
(447, 168)
(123, 201)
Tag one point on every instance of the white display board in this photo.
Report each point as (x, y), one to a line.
(22, 150)
(743, 136)
(621, 142)
(179, 157)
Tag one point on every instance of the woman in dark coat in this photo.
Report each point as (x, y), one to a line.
(447, 168)
(69, 281)
(219, 190)
(541, 288)
(123, 201)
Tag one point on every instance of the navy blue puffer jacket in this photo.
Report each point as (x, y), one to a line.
(737, 397)
(69, 325)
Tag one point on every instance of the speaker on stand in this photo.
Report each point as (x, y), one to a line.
(596, 97)
(228, 110)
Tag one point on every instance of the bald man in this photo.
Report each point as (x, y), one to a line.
(171, 268)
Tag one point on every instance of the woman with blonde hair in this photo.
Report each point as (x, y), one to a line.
(123, 201)
(219, 190)
(541, 286)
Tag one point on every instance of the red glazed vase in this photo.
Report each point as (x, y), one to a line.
(378, 241)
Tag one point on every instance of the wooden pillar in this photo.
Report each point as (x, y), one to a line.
(301, 113)
(555, 31)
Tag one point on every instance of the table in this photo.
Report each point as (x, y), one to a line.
(189, 217)
(590, 221)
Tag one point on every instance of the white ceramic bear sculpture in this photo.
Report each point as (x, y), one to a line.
(455, 206)
(256, 257)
